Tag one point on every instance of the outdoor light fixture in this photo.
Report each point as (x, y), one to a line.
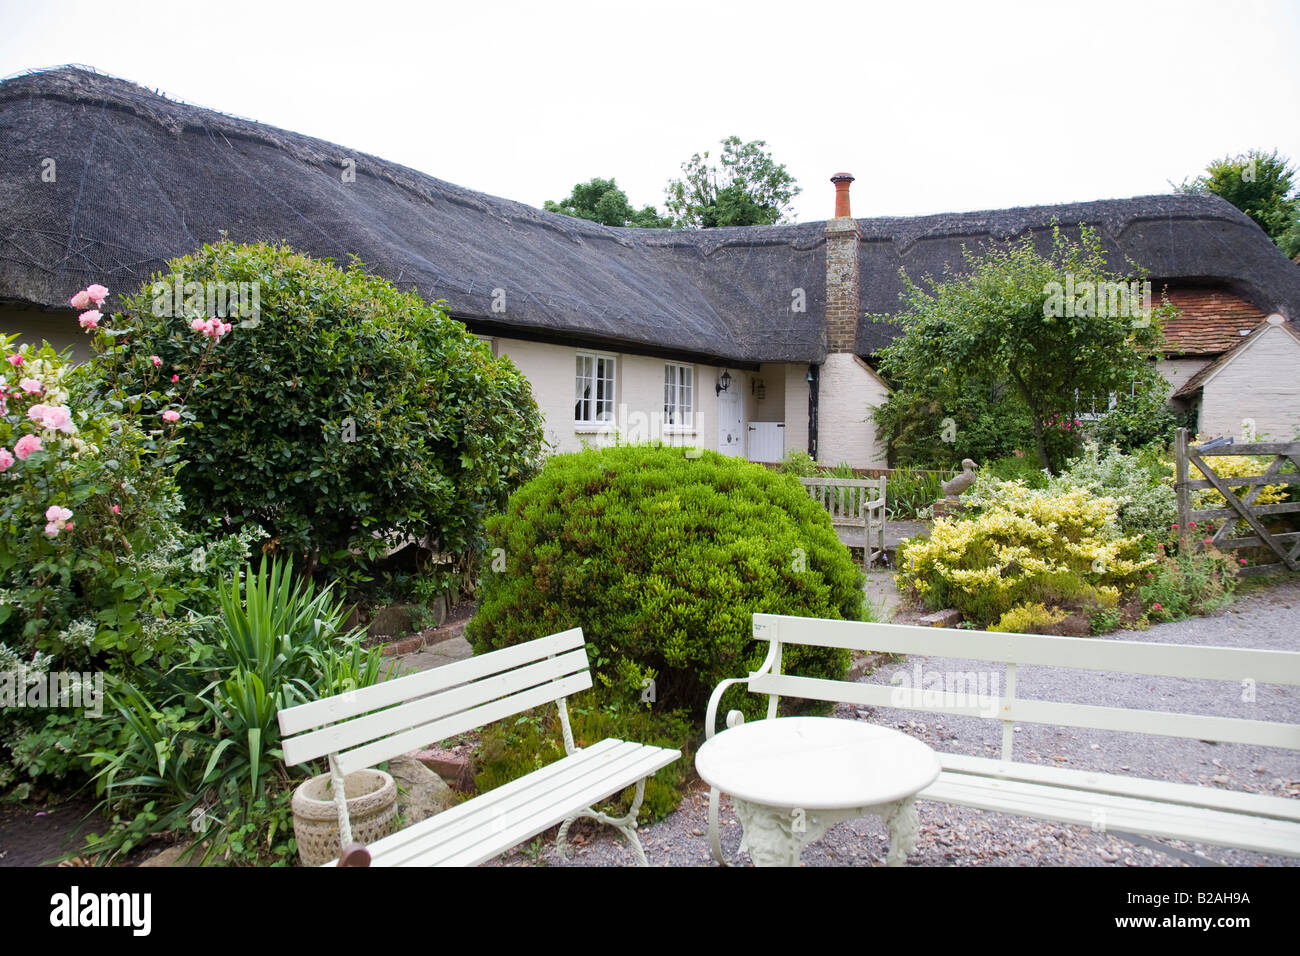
(724, 385)
(758, 388)
(808, 377)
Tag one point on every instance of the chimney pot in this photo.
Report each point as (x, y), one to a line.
(841, 181)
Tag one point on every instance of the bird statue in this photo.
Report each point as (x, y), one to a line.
(955, 485)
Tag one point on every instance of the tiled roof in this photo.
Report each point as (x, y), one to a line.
(1194, 384)
(1209, 321)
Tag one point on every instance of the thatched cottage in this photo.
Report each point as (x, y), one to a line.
(750, 340)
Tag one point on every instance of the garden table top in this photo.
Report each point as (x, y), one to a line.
(816, 763)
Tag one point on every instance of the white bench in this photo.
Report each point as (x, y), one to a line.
(362, 728)
(856, 507)
(1103, 801)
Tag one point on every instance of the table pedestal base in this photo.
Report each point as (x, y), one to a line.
(776, 836)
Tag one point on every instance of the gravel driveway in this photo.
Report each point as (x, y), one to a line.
(960, 836)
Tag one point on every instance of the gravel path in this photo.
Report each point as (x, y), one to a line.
(960, 836)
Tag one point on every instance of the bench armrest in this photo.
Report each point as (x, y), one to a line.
(735, 716)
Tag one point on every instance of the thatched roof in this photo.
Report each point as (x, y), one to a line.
(142, 179)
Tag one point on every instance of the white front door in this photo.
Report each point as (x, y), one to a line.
(731, 423)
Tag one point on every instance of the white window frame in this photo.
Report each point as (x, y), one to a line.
(674, 408)
(591, 379)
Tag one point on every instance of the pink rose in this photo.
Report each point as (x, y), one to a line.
(176, 378)
(1157, 607)
(1241, 560)
(26, 445)
(197, 325)
(52, 529)
(171, 416)
(81, 300)
(15, 359)
(56, 417)
(117, 509)
(90, 320)
(56, 513)
(32, 386)
(97, 294)
(156, 360)
(6, 459)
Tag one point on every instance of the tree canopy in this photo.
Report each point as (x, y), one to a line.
(1262, 185)
(600, 200)
(1053, 329)
(746, 187)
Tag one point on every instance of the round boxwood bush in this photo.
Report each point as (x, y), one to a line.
(663, 560)
(342, 415)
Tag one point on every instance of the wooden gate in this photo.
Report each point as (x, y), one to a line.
(1286, 545)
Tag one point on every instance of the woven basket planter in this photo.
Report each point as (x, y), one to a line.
(372, 808)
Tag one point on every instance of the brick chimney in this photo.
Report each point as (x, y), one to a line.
(842, 238)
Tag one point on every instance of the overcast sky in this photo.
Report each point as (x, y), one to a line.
(934, 107)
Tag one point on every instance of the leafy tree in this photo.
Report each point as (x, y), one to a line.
(746, 188)
(1261, 185)
(342, 417)
(600, 200)
(1005, 321)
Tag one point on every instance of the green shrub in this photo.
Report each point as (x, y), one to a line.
(1188, 582)
(344, 415)
(800, 464)
(910, 492)
(1141, 418)
(526, 742)
(94, 565)
(1145, 504)
(1023, 468)
(663, 560)
(199, 745)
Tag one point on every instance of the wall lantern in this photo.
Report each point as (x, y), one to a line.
(808, 377)
(758, 388)
(724, 384)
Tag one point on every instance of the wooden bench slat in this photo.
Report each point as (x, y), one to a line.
(370, 754)
(424, 710)
(492, 804)
(1025, 710)
(539, 801)
(1116, 813)
(1083, 653)
(561, 806)
(317, 713)
(1235, 801)
(491, 801)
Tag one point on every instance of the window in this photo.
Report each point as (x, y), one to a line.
(679, 395)
(594, 390)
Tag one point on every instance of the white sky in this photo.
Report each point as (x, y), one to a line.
(934, 107)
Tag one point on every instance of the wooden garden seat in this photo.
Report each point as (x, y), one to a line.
(362, 728)
(857, 510)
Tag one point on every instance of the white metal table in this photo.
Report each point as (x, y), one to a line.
(791, 778)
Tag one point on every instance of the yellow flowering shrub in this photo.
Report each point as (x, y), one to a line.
(1030, 618)
(1024, 545)
(1236, 466)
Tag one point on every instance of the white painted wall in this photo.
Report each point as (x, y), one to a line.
(1176, 371)
(845, 433)
(796, 407)
(1260, 382)
(638, 389)
(57, 326)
